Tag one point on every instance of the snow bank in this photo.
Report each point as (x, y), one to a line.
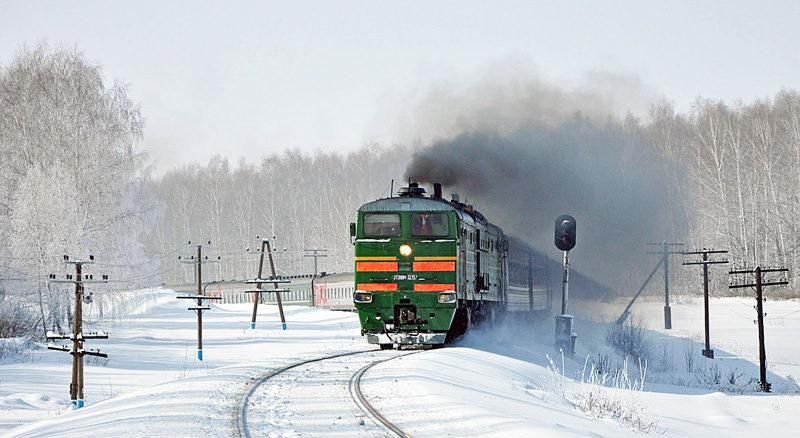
(494, 382)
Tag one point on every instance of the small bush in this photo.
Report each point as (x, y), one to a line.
(16, 321)
(689, 354)
(714, 374)
(734, 377)
(603, 363)
(557, 378)
(794, 387)
(96, 360)
(600, 396)
(18, 349)
(664, 362)
(630, 340)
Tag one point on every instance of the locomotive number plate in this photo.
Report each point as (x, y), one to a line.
(404, 277)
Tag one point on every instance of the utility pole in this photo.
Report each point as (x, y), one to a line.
(200, 306)
(665, 253)
(759, 285)
(274, 279)
(316, 254)
(708, 352)
(77, 336)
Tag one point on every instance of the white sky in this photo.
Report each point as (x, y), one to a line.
(248, 78)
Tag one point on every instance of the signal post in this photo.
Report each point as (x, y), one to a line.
(565, 233)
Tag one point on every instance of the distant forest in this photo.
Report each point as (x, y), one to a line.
(732, 170)
(300, 201)
(74, 181)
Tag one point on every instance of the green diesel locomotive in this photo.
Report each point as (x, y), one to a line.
(426, 269)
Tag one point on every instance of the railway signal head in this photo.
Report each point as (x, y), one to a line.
(565, 232)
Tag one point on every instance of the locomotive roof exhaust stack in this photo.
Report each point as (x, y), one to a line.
(412, 191)
(437, 191)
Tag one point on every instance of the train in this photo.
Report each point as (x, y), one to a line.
(333, 291)
(428, 268)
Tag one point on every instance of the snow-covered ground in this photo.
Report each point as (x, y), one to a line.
(496, 382)
(152, 373)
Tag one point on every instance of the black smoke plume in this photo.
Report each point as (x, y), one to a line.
(522, 178)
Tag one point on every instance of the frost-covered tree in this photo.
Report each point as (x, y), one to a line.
(71, 180)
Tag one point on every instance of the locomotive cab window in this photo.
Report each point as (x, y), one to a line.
(382, 225)
(430, 225)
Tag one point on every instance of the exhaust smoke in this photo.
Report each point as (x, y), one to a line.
(531, 166)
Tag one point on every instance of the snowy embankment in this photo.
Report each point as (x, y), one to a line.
(493, 382)
(152, 373)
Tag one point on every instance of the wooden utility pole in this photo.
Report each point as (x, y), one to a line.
(257, 295)
(759, 284)
(665, 253)
(200, 306)
(316, 253)
(77, 336)
(707, 352)
(266, 247)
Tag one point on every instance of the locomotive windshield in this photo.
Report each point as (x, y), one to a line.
(382, 225)
(430, 225)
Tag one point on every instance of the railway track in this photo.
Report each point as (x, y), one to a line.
(364, 404)
(353, 388)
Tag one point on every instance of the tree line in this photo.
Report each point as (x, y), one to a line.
(732, 172)
(73, 180)
(735, 177)
(301, 201)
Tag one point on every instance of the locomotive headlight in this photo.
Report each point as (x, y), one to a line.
(362, 297)
(405, 250)
(447, 297)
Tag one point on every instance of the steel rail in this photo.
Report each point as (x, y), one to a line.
(365, 406)
(241, 414)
